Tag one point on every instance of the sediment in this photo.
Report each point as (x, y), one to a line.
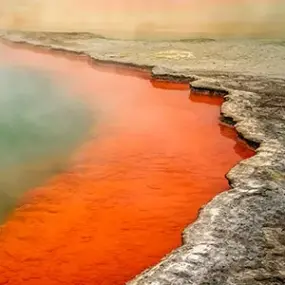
(239, 237)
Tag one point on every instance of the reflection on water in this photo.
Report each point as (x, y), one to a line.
(39, 126)
(127, 195)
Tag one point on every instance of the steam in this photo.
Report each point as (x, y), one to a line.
(133, 18)
(40, 124)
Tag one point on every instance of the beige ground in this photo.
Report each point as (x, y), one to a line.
(135, 19)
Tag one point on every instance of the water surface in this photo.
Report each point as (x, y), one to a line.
(129, 191)
(40, 124)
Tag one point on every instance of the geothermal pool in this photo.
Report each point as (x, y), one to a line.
(149, 157)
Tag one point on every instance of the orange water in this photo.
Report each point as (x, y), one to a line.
(155, 158)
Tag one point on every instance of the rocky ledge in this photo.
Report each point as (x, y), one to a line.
(239, 237)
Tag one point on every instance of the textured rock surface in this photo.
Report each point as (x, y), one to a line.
(239, 237)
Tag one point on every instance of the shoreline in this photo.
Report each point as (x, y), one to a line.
(236, 234)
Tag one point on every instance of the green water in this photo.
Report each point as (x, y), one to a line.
(41, 124)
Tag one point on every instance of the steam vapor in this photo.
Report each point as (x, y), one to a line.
(133, 18)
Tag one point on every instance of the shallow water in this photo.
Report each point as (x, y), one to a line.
(156, 157)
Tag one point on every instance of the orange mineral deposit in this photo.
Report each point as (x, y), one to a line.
(154, 156)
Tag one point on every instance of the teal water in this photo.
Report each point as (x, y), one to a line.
(41, 123)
